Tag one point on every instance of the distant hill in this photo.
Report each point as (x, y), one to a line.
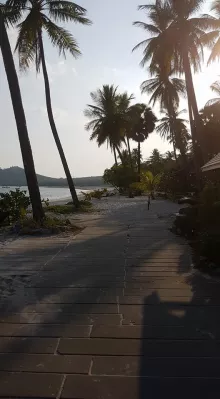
(15, 176)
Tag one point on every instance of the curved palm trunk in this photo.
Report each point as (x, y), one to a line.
(129, 152)
(115, 156)
(119, 153)
(26, 151)
(53, 126)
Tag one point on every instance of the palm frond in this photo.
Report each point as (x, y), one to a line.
(215, 54)
(27, 43)
(216, 7)
(61, 38)
(213, 101)
(67, 11)
(11, 14)
(215, 87)
(147, 27)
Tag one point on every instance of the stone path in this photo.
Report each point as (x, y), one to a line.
(113, 313)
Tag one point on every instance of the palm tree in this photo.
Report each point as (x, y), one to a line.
(165, 89)
(142, 122)
(108, 118)
(215, 87)
(174, 128)
(124, 103)
(177, 44)
(42, 16)
(25, 145)
(150, 182)
(215, 53)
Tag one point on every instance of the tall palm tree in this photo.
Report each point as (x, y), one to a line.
(40, 16)
(165, 89)
(124, 103)
(14, 88)
(178, 46)
(177, 125)
(108, 118)
(142, 122)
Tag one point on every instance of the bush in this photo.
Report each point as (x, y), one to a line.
(61, 209)
(208, 245)
(210, 194)
(14, 204)
(50, 225)
(137, 188)
(120, 177)
(186, 221)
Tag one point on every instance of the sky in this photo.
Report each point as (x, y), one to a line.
(106, 59)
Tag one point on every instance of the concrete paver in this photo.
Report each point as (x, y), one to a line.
(115, 312)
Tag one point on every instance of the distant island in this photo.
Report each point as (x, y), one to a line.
(15, 176)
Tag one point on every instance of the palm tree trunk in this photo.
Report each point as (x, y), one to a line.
(129, 152)
(115, 156)
(26, 151)
(119, 153)
(53, 126)
(193, 110)
(139, 161)
(172, 116)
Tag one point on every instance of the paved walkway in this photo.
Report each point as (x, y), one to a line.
(114, 313)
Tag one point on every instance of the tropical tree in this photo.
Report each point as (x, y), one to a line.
(177, 46)
(173, 128)
(124, 103)
(150, 182)
(165, 89)
(108, 118)
(215, 87)
(40, 16)
(215, 46)
(14, 88)
(142, 122)
(210, 115)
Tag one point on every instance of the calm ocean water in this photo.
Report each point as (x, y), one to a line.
(52, 193)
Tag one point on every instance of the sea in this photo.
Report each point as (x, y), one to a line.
(52, 193)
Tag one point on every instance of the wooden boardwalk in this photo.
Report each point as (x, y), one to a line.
(113, 313)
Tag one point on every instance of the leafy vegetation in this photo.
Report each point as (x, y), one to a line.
(14, 204)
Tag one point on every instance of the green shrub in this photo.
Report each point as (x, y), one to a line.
(120, 177)
(209, 244)
(137, 188)
(14, 203)
(61, 209)
(48, 225)
(87, 196)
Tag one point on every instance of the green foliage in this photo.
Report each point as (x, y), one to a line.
(96, 194)
(50, 225)
(43, 15)
(149, 181)
(108, 116)
(68, 209)
(14, 203)
(208, 245)
(87, 196)
(137, 188)
(61, 209)
(210, 194)
(120, 177)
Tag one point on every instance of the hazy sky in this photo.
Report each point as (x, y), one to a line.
(106, 59)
